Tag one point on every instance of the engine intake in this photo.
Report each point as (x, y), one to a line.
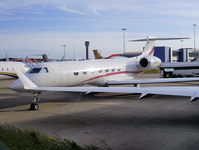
(144, 63)
(149, 62)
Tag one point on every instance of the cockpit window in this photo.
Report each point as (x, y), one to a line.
(45, 70)
(35, 70)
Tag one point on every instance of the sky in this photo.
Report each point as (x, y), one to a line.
(34, 27)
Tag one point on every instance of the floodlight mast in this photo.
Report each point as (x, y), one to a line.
(124, 46)
(64, 56)
(194, 36)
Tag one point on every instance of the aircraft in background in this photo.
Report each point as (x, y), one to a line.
(7, 70)
(127, 54)
(61, 76)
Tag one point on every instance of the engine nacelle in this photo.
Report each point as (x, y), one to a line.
(149, 63)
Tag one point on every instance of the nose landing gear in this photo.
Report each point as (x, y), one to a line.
(35, 105)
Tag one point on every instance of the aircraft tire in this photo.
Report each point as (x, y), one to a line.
(34, 106)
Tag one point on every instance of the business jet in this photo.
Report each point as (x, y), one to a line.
(7, 70)
(66, 76)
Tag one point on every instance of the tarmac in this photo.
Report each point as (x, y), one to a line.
(116, 121)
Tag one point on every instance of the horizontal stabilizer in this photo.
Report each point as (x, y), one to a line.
(158, 39)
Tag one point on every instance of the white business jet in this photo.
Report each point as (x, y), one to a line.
(60, 76)
(7, 70)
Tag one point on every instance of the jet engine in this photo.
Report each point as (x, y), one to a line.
(149, 62)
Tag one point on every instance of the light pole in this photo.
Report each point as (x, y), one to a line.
(64, 56)
(181, 43)
(194, 32)
(124, 39)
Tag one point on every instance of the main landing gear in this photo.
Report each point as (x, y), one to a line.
(35, 105)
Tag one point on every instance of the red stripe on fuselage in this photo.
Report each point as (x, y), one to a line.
(151, 51)
(110, 74)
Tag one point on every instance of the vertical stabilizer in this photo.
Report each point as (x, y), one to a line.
(150, 44)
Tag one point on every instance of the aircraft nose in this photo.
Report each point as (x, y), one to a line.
(17, 86)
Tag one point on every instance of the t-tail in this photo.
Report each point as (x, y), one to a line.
(150, 44)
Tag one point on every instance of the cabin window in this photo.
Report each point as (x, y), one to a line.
(112, 70)
(100, 71)
(35, 70)
(84, 72)
(106, 70)
(118, 69)
(76, 73)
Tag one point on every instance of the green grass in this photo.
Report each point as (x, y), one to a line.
(152, 71)
(30, 139)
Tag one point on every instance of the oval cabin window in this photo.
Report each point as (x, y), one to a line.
(76, 73)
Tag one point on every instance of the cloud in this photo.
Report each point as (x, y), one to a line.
(182, 8)
(21, 45)
(72, 11)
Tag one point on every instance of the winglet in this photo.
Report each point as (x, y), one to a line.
(193, 98)
(27, 83)
(143, 95)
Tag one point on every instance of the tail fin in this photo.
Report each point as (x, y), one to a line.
(150, 45)
(45, 58)
(97, 55)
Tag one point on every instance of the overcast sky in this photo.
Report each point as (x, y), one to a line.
(32, 27)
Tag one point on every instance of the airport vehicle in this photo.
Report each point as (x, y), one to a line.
(179, 69)
(7, 70)
(61, 76)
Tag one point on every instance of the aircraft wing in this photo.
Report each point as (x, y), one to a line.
(152, 81)
(191, 91)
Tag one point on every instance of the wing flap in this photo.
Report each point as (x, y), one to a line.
(152, 81)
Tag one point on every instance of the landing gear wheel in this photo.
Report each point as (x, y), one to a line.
(34, 106)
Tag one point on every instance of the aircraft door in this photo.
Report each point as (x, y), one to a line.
(64, 76)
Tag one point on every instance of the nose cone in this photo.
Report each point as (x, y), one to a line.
(17, 86)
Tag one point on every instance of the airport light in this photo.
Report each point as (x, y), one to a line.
(124, 39)
(194, 32)
(64, 56)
